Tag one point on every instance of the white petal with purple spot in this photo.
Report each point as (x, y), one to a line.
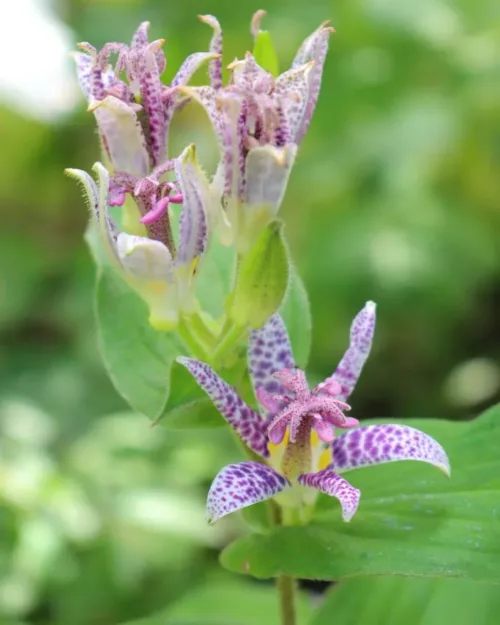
(349, 369)
(378, 444)
(334, 485)
(269, 350)
(245, 421)
(240, 485)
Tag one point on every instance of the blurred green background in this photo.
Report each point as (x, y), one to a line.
(395, 197)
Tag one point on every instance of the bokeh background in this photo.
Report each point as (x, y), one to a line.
(395, 197)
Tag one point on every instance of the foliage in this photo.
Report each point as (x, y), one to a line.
(394, 197)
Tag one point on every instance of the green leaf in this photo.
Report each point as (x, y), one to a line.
(262, 280)
(265, 53)
(232, 602)
(257, 516)
(214, 278)
(137, 357)
(411, 520)
(296, 314)
(398, 600)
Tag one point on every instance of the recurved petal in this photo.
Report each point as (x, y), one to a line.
(96, 197)
(334, 485)
(123, 136)
(267, 172)
(90, 190)
(247, 423)
(215, 67)
(378, 444)
(192, 63)
(349, 369)
(269, 350)
(314, 48)
(240, 485)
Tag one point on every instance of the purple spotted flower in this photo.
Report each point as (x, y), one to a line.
(294, 432)
(259, 120)
(161, 274)
(133, 110)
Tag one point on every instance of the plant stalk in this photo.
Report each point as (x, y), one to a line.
(285, 584)
(286, 591)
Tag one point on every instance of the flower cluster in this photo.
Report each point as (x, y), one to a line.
(294, 432)
(259, 119)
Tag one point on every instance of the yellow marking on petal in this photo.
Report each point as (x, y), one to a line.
(324, 460)
(158, 288)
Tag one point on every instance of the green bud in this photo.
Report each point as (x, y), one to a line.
(265, 53)
(262, 279)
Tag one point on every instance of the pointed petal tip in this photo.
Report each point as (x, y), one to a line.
(156, 45)
(185, 361)
(210, 20)
(86, 47)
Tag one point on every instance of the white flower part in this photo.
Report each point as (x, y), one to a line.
(267, 172)
(148, 267)
(123, 136)
(144, 258)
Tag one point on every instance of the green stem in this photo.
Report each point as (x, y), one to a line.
(228, 341)
(285, 584)
(286, 591)
(191, 341)
(201, 330)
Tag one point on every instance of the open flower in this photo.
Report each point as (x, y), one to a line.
(161, 274)
(260, 120)
(294, 434)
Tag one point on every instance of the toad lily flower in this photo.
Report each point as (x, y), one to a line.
(294, 434)
(133, 117)
(161, 274)
(259, 120)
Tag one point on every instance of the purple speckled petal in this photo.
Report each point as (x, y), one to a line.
(192, 63)
(240, 485)
(193, 229)
(378, 444)
(193, 225)
(84, 64)
(245, 421)
(314, 48)
(349, 369)
(122, 135)
(334, 485)
(250, 76)
(141, 40)
(215, 67)
(269, 350)
(144, 71)
(292, 91)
